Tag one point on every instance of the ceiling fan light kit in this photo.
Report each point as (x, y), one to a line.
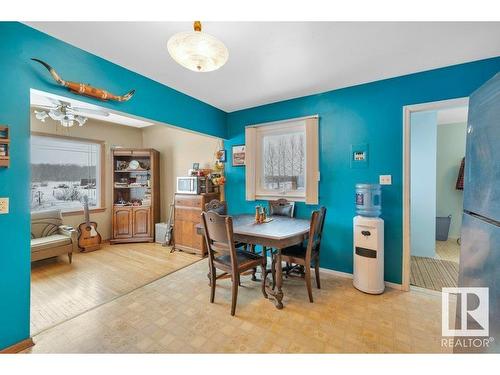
(197, 51)
(65, 114)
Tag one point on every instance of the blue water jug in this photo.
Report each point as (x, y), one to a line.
(368, 200)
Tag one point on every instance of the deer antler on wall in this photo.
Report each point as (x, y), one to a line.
(85, 89)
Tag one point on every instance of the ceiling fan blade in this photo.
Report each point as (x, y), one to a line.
(47, 107)
(54, 101)
(90, 111)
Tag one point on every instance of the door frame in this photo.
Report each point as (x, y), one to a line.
(407, 111)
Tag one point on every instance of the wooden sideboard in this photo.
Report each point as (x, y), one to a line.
(187, 214)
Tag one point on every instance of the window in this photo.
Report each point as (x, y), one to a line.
(282, 160)
(63, 170)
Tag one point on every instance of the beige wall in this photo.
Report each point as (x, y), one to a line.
(179, 149)
(111, 134)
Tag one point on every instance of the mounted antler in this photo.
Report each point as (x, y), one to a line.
(85, 89)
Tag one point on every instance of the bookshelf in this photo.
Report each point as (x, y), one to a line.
(4, 147)
(136, 194)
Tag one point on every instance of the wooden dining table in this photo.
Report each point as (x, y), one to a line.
(276, 234)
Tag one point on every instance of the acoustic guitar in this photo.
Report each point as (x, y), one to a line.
(89, 238)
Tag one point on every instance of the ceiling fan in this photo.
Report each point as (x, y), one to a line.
(66, 114)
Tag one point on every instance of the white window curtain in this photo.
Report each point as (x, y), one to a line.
(250, 143)
(310, 196)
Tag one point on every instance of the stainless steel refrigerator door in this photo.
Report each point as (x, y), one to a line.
(480, 267)
(482, 157)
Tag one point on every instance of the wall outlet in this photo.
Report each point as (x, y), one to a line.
(4, 206)
(385, 179)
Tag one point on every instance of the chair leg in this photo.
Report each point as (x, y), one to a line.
(254, 270)
(70, 257)
(316, 272)
(263, 267)
(213, 280)
(234, 294)
(308, 282)
(273, 270)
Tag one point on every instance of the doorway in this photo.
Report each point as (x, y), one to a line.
(70, 162)
(434, 150)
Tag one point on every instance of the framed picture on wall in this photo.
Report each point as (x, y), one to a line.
(238, 155)
(221, 156)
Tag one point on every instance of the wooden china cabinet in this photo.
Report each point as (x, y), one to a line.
(136, 194)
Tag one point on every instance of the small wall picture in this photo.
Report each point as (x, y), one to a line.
(239, 155)
(221, 156)
(196, 166)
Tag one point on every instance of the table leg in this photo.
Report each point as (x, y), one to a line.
(254, 270)
(277, 295)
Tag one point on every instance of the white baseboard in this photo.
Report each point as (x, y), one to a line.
(347, 275)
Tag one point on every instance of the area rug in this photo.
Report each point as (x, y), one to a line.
(433, 273)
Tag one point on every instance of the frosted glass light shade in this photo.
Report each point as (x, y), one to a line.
(197, 51)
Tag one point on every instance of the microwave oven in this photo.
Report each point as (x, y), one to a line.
(194, 185)
(188, 185)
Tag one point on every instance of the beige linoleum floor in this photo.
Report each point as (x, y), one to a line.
(173, 315)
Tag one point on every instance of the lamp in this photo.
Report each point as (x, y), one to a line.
(197, 51)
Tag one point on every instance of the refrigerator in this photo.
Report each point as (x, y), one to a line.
(480, 238)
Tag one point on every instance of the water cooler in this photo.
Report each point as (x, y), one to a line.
(368, 275)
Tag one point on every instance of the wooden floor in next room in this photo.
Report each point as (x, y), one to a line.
(60, 291)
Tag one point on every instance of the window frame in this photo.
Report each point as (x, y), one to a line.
(312, 173)
(100, 175)
(277, 129)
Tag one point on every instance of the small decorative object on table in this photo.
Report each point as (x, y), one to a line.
(238, 155)
(261, 215)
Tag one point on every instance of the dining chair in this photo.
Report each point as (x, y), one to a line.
(302, 256)
(223, 255)
(216, 205)
(281, 207)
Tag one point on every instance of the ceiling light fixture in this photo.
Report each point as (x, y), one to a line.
(197, 51)
(65, 118)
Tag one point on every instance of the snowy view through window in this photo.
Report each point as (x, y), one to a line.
(62, 172)
(283, 164)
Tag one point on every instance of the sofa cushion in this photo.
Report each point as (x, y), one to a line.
(45, 223)
(43, 243)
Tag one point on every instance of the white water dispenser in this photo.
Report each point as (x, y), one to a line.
(368, 251)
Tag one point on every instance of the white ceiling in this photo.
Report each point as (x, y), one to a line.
(273, 61)
(41, 98)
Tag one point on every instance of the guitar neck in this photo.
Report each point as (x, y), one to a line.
(87, 214)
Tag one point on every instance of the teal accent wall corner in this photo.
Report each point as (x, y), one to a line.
(18, 43)
(370, 113)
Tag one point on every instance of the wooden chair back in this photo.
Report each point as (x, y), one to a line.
(315, 232)
(216, 205)
(219, 236)
(281, 207)
(319, 231)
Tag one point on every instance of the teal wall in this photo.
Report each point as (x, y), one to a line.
(369, 113)
(423, 130)
(450, 151)
(18, 43)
